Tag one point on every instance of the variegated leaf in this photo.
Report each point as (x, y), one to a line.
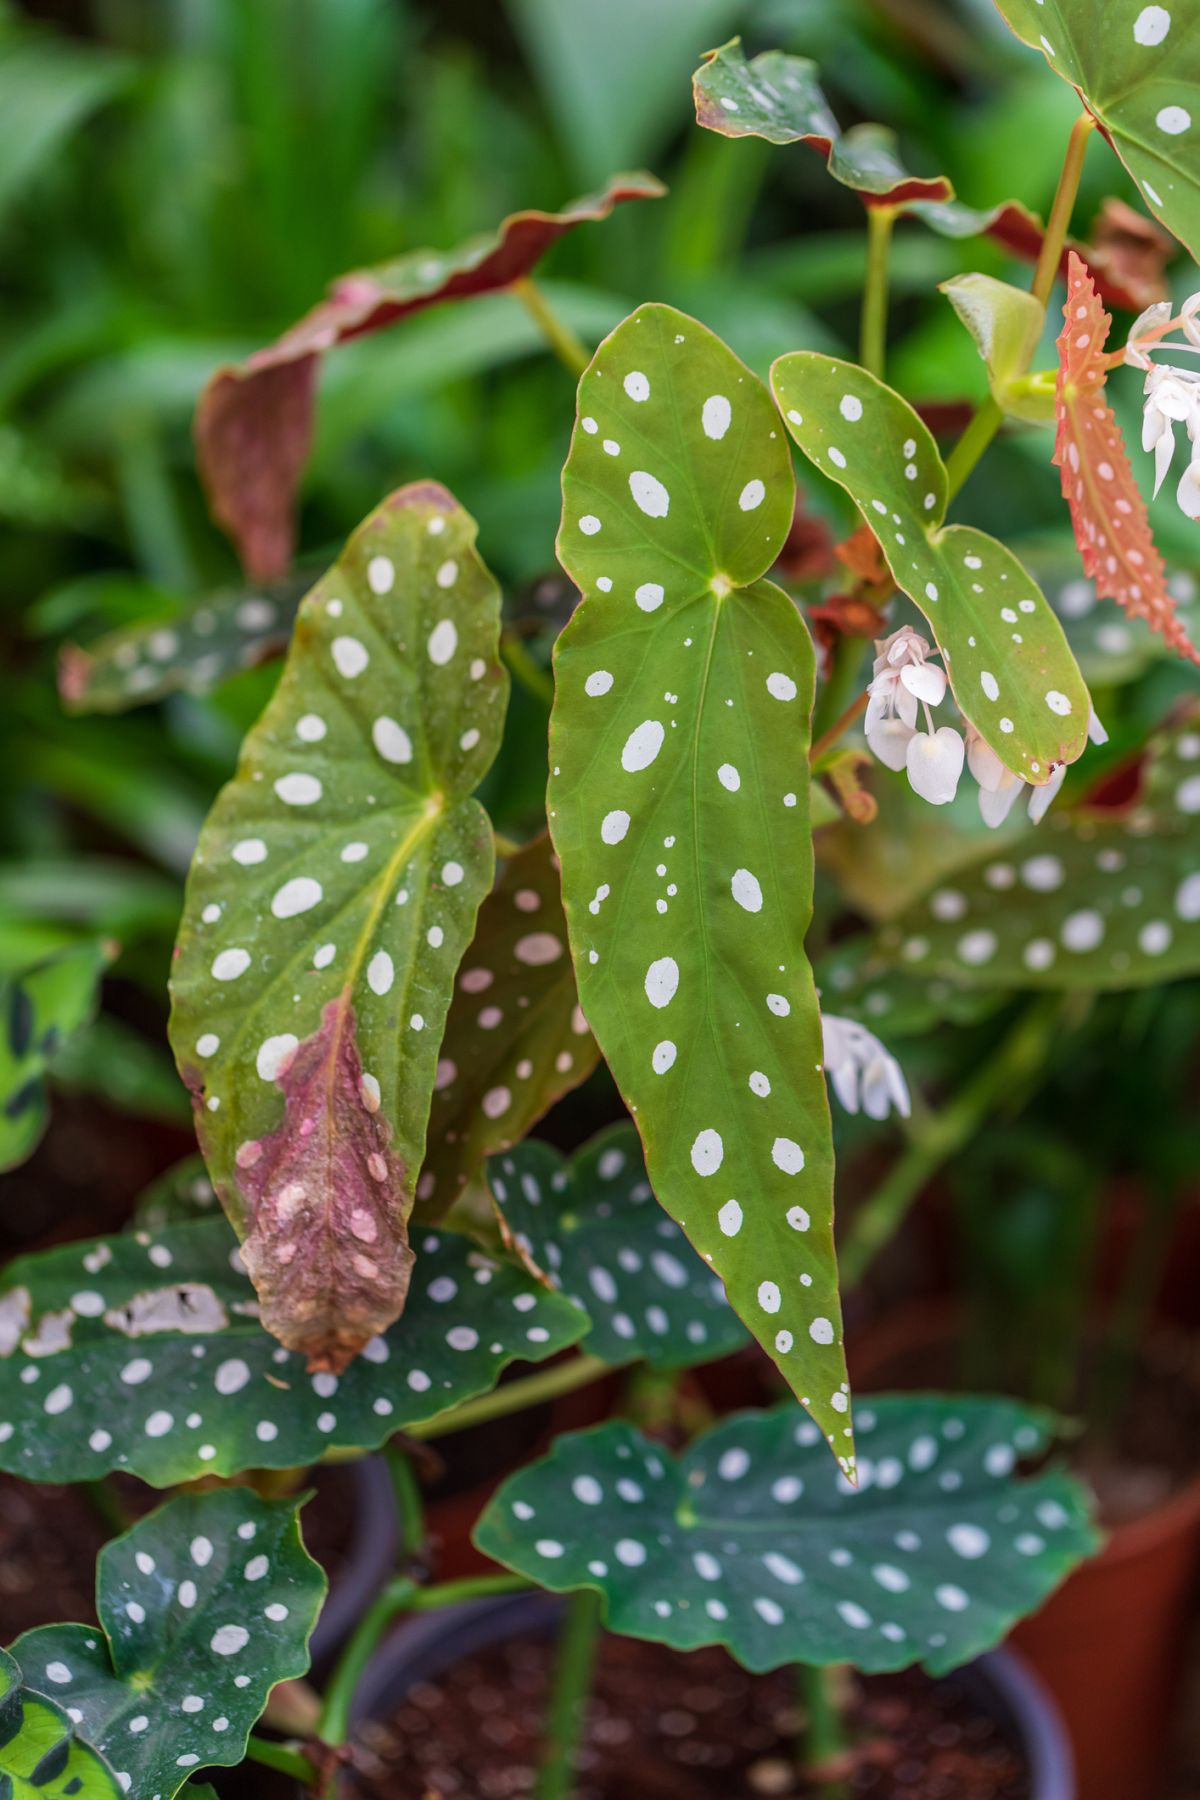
(41, 1007)
(1108, 514)
(1009, 663)
(41, 1756)
(332, 895)
(254, 421)
(679, 805)
(515, 1038)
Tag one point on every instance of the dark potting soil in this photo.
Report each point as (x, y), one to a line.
(50, 1538)
(662, 1726)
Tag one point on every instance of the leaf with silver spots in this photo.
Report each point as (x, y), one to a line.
(1010, 666)
(753, 1540)
(679, 806)
(330, 900)
(590, 1227)
(204, 1606)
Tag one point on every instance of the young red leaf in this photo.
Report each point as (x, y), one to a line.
(254, 420)
(1108, 514)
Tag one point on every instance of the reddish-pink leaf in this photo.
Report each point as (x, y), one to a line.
(326, 1243)
(1108, 514)
(254, 421)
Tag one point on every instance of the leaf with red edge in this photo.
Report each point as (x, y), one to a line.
(515, 1039)
(1108, 514)
(254, 421)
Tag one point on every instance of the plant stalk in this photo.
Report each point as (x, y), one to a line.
(558, 334)
(284, 1757)
(531, 1390)
(824, 1736)
(406, 1492)
(576, 1655)
(872, 343)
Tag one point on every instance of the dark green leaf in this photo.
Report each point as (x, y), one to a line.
(591, 1228)
(753, 1540)
(40, 1756)
(332, 895)
(144, 1353)
(515, 1039)
(679, 805)
(204, 1605)
(40, 1007)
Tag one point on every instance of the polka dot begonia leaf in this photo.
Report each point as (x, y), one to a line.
(856, 981)
(40, 1007)
(191, 651)
(204, 1605)
(1110, 651)
(1090, 900)
(1108, 513)
(41, 1756)
(515, 1039)
(1009, 664)
(144, 1353)
(254, 422)
(1137, 70)
(331, 898)
(591, 1228)
(678, 804)
(752, 1539)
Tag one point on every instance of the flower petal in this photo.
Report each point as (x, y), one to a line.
(935, 762)
(927, 680)
(1040, 798)
(889, 741)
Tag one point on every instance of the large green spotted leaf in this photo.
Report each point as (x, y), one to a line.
(1089, 900)
(204, 1605)
(857, 981)
(753, 1540)
(515, 1039)
(193, 650)
(144, 1353)
(590, 1228)
(331, 898)
(40, 1756)
(679, 806)
(40, 1008)
(1110, 650)
(1009, 664)
(1137, 69)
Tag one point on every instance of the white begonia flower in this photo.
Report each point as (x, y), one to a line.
(1172, 395)
(1171, 399)
(999, 788)
(861, 1070)
(935, 762)
(1137, 354)
(1040, 798)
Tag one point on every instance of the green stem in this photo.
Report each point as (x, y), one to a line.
(574, 1659)
(984, 426)
(1002, 1078)
(561, 339)
(283, 1757)
(839, 692)
(824, 1731)
(406, 1492)
(533, 678)
(873, 324)
(470, 1587)
(515, 1396)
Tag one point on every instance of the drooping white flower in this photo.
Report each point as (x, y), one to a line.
(1000, 788)
(1171, 399)
(1137, 352)
(861, 1071)
(1040, 798)
(905, 680)
(1172, 394)
(935, 762)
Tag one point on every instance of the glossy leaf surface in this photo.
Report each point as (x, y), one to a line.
(143, 1352)
(41, 1758)
(254, 422)
(751, 1539)
(1138, 71)
(590, 1227)
(1009, 663)
(515, 1038)
(192, 651)
(1006, 324)
(204, 1605)
(41, 1007)
(1108, 514)
(1089, 900)
(332, 895)
(679, 807)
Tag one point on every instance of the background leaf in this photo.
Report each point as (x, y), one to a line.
(144, 1353)
(204, 1605)
(752, 1540)
(679, 807)
(590, 1228)
(41, 1007)
(254, 421)
(515, 1038)
(333, 893)
(40, 1756)
(1009, 663)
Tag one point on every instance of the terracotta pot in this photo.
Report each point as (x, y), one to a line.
(424, 1647)
(1110, 1642)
